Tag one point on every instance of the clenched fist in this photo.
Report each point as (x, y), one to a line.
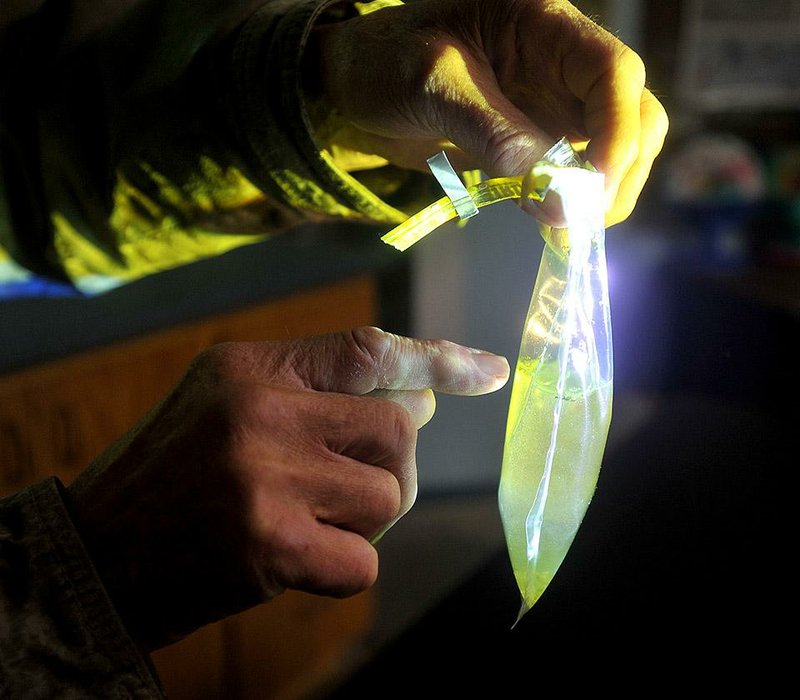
(269, 466)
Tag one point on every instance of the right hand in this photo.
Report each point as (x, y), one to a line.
(269, 466)
(495, 83)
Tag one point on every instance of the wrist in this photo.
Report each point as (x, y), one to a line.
(320, 62)
(334, 75)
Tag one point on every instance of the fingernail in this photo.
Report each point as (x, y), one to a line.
(492, 365)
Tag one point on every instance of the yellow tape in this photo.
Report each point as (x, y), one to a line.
(441, 211)
(533, 186)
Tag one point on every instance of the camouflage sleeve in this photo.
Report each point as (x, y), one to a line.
(170, 132)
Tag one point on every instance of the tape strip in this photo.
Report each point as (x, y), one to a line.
(452, 186)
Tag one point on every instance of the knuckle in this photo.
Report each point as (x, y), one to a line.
(370, 342)
(364, 570)
(287, 543)
(660, 119)
(354, 572)
(221, 360)
(297, 563)
(384, 497)
(630, 65)
(370, 349)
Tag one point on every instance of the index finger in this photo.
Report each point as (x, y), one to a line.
(368, 358)
(609, 78)
(655, 125)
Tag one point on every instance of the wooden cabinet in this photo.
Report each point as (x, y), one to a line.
(55, 418)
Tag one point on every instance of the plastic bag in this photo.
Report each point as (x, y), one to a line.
(560, 407)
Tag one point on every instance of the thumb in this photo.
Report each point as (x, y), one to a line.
(368, 358)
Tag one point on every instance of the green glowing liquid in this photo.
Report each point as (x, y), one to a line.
(541, 513)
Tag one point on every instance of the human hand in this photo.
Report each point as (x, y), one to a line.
(269, 466)
(494, 83)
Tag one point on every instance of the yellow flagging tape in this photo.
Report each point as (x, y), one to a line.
(443, 210)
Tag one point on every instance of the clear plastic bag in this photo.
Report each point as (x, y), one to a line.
(560, 408)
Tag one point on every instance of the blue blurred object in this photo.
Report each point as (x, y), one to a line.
(724, 231)
(35, 287)
(717, 183)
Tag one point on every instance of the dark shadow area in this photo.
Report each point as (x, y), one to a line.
(680, 577)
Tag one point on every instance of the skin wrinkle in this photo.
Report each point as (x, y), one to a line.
(574, 127)
(377, 362)
(514, 139)
(515, 146)
(612, 68)
(295, 549)
(371, 344)
(453, 70)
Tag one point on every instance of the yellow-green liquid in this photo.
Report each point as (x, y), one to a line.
(545, 490)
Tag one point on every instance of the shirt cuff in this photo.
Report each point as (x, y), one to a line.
(60, 633)
(274, 124)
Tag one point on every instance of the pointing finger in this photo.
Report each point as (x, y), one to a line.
(368, 358)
